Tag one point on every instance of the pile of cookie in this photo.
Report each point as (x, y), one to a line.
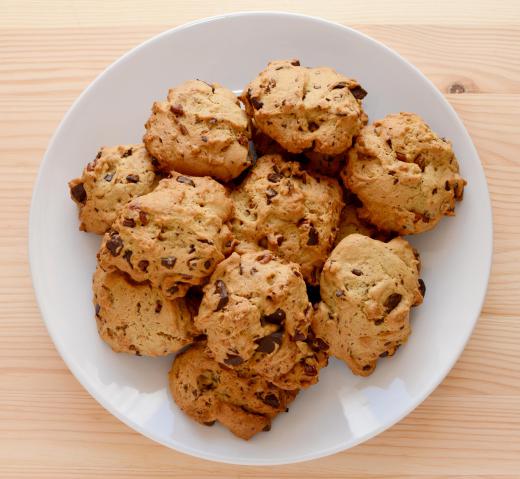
(256, 242)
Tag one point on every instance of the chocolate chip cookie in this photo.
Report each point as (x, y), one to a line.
(200, 130)
(256, 315)
(367, 289)
(111, 180)
(305, 109)
(405, 175)
(292, 212)
(208, 392)
(137, 318)
(173, 237)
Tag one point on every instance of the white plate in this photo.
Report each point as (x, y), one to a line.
(342, 410)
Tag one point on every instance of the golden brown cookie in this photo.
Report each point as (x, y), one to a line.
(256, 315)
(173, 237)
(315, 109)
(200, 130)
(208, 392)
(111, 180)
(137, 318)
(405, 175)
(289, 211)
(367, 289)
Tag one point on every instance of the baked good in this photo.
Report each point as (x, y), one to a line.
(367, 289)
(137, 318)
(350, 222)
(289, 211)
(256, 315)
(111, 180)
(208, 392)
(405, 175)
(173, 237)
(315, 109)
(200, 130)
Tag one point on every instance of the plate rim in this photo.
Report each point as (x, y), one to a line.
(36, 278)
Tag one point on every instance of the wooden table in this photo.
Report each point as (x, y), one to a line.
(51, 428)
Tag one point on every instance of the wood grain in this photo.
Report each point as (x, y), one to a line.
(51, 428)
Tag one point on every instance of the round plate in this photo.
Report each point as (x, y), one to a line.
(342, 410)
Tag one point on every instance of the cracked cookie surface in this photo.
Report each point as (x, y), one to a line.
(294, 213)
(405, 175)
(314, 109)
(208, 392)
(256, 315)
(200, 130)
(137, 318)
(117, 175)
(367, 289)
(173, 237)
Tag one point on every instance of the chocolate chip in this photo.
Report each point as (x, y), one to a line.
(185, 180)
(392, 301)
(379, 321)
(313, 236)
(357, 272)
(299, 336)
(278, 317)
(143, 218)
(310, 370)
(129, 222)
(271, 400)
(99, 153)
(169, 262)
(270, 193)
(317, 344)
(204, 138)
(340, 293)
(384, 354)
(262, 242)
(91, 165)
(221, 290)
(209, 423)
(242, 140)
(233, 360)
(434, 191)
(257, 104)
(177, 110)
(422, 287)
(127, 153)
(172, 289)
(183, 129)
(207, 264)
(78, 193)
(267, 428)
(400, 156)
(267, 344)
(279, 240)
(108, 177)
(128, 255)
(114, 244)
(274, 177)
(132, 178)
(192, 249)
(143, 265)
(447, 186)
(206, 241)
(389, 143)
(312, 126)
(295, 63)
(358, 92)
(339, 85)
(97, 308)
(367, 367)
